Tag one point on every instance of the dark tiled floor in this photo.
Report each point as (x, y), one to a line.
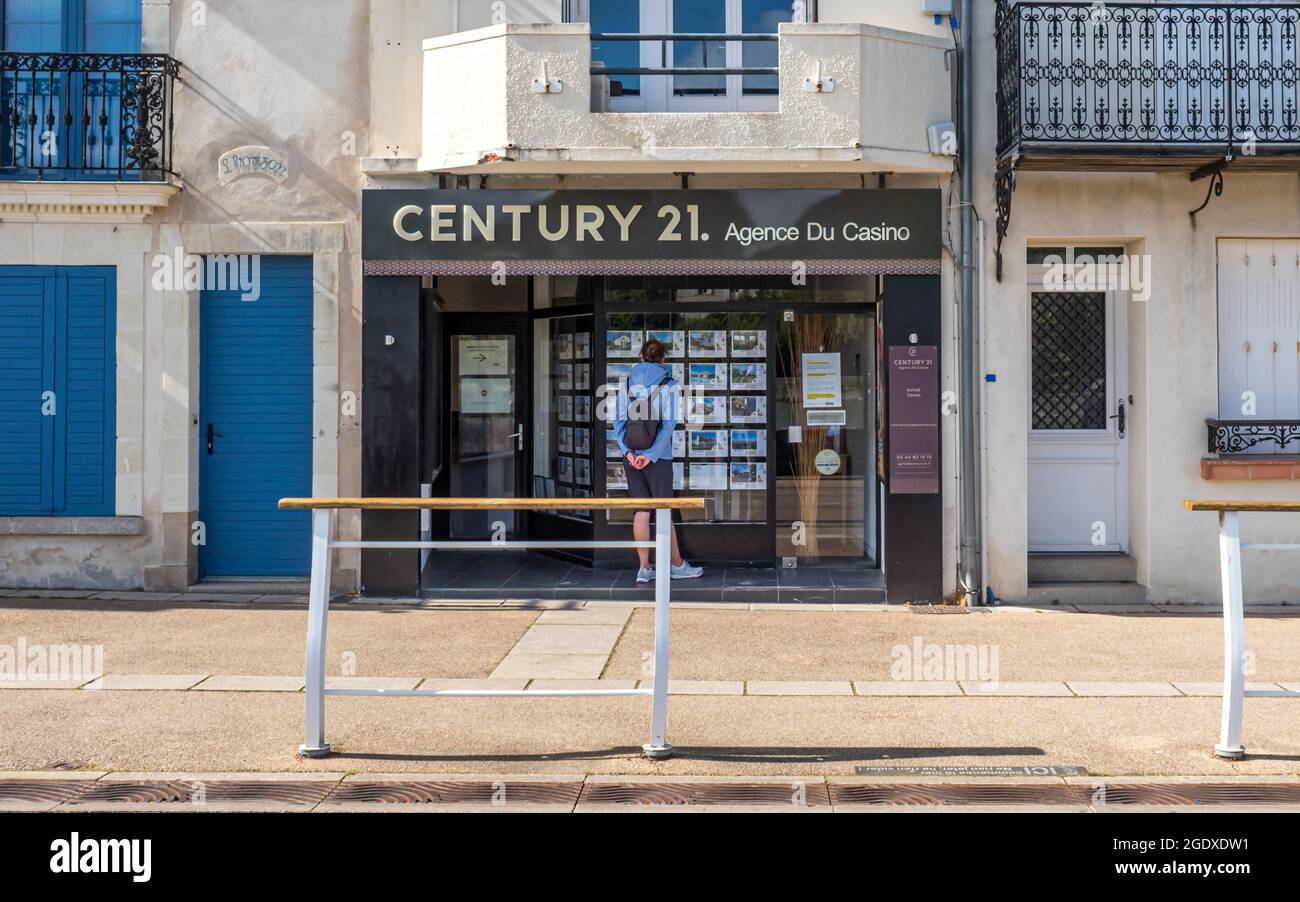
(523, 575)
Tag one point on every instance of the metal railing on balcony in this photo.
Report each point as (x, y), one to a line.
(698, 63)
(105, 116)
(1128, 74)
(704, 40)
(1241, 436)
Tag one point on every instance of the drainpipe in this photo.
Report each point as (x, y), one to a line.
(968, 556)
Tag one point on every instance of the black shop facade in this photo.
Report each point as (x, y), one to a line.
(803, 326)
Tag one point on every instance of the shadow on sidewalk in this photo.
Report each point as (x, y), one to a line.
(733, 754)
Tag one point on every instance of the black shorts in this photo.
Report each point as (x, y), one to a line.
(655, 481)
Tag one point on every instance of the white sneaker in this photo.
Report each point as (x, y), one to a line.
(645, 575)
(684, 570)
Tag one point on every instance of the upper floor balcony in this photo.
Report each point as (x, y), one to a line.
(831, 97)
(86, 116)
(1130, 85)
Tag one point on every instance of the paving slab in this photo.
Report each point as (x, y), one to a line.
(799, 687)
(465, 683)
(601, 808)
(329, 807)
(906, 687)
(28, 807)
(137, 596)
(569, 639)
(391, 777)
(561, 667)
(590, 615)
(1084, 607)
(889, 808)
(972, 687)
(192, 807)
(123, 776)
(251, 683)
(359, 682)
(700, 687)
(1122, 689)
(223, 596)
(44, 684)
(540, 604)
(52, 594)
(1215, 690)
(553, 685)
(146, 682)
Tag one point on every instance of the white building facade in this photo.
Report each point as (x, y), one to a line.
(289, 140)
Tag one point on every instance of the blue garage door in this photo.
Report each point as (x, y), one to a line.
(57, 397)
(255, 421)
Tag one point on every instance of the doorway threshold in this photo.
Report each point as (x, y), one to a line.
(529, 576)
(252, 585)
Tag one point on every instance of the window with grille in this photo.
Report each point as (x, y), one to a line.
(1069, 360)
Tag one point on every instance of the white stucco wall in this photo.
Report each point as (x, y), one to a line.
(247, 80)
(480, 107)
(1173, 354)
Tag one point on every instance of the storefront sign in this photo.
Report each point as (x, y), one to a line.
(773, 224)
(913, 419)
(821, 381)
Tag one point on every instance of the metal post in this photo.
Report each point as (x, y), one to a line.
(658, 746)
(314, 744)
(1234, 638)
(970, 538)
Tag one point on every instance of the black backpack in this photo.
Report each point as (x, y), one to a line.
(643, 425)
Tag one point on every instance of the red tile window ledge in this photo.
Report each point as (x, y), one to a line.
(1251, 466)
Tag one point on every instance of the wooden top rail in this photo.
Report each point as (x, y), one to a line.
(1292, 507)
(513, 504)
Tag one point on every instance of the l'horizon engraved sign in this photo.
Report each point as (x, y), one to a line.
(689, 224)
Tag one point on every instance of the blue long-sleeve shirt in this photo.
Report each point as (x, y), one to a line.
(641, 383)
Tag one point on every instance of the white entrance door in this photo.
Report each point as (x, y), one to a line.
(1078, 461)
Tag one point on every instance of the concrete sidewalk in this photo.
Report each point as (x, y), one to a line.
(216, 687)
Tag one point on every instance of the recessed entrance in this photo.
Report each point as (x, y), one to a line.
(1079, 407)
(781, 431)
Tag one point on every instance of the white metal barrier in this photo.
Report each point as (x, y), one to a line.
(1234, 627)
(322, 544)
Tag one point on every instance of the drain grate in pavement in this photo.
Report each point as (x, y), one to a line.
(812, 794)
(791, 793)
(1202, 793)
(959, 794)
(162, 791)
(143, 791)
(937, 609)
(42, 790)
(502, 792)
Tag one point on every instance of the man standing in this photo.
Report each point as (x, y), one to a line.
(643, 426)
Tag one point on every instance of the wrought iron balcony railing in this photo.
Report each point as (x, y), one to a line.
(698, 63)
(1239, 436)
(105, 116)
(1127, 74)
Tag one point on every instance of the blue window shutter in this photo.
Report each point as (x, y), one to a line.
(27, 371)
(86, 434)
(57, 334)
